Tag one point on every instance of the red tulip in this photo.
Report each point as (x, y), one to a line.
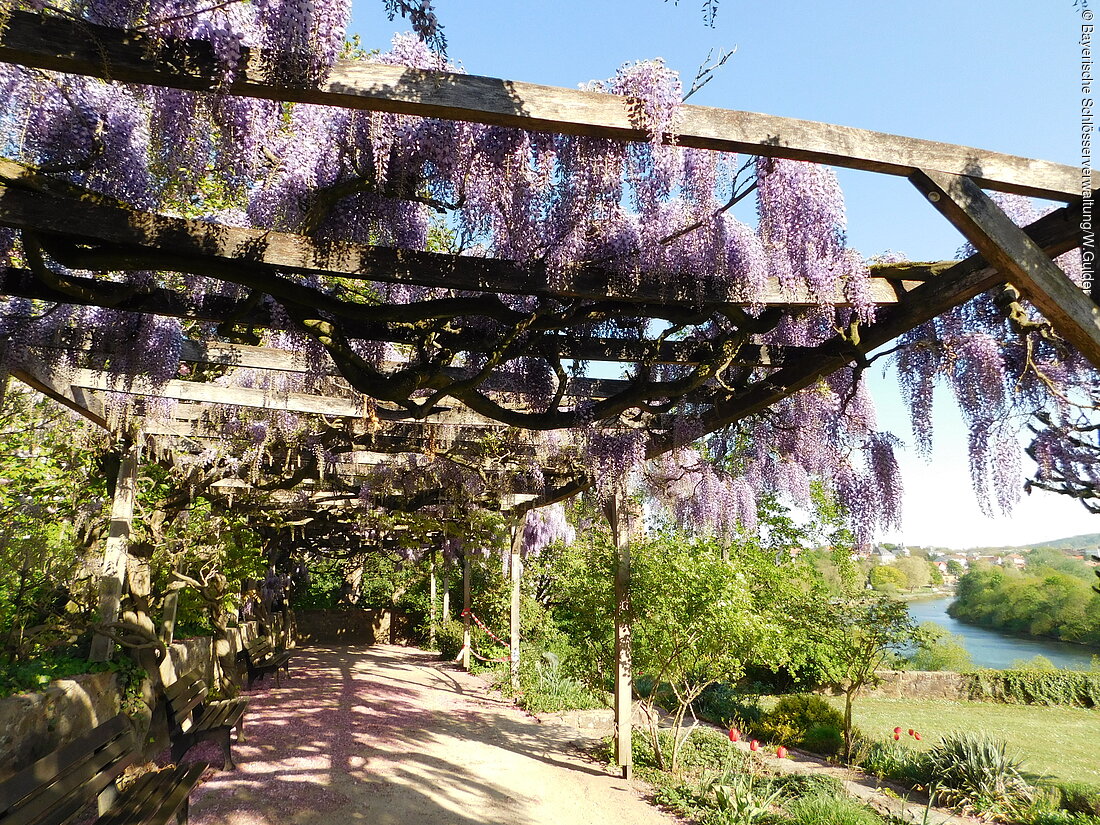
(781, 752)
(912, 732)
(916, 736)
(897, 731)
(897, 736)
(735, 734)
(754, 745)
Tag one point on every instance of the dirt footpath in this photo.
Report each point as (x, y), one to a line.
(388, 735)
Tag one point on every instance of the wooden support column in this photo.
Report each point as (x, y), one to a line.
(516, 569)
(617, 517)
(466, 608)
(1072, 312)
(168, 616)
(431, 599)
(445, 609)
(116, 550)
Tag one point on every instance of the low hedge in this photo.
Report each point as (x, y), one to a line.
(1037, 687)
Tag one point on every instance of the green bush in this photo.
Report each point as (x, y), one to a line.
(798, 785)
(448, 638)
(805, 711)
(1062, 818)
(709, 749)
(724, 705)
(892, 760)
(1037, 687)
(822, 809)
(1079, 797)
(794, 716)
(737, 798)
(974, 773)
(546, 688)
(827, 740)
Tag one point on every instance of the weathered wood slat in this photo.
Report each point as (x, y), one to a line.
(23, 783)
(246, 256)
(1072, 313)
(21, 283)
(80, 48)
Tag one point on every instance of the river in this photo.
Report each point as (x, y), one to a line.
(991, 648)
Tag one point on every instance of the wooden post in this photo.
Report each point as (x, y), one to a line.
(431, 599)
(620, 534)
(516, 569)
(446, 609)
(116, 551)
(466, 608)
(168, 616)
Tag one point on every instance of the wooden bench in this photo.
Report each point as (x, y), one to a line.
(60, 786)
(260, 659)
(193, 719)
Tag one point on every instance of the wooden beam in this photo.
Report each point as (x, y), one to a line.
(148, 240)
(158, 301)
(116, 550)
(37, 375)
(78, 47)
(295, 402)
(1072, 313)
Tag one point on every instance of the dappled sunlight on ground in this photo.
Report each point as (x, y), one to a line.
(390, 735)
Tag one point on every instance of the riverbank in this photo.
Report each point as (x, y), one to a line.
(999, 649)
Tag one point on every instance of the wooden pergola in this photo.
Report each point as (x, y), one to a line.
(86, 231)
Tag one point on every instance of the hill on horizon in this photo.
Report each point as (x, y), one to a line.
(1085, 541)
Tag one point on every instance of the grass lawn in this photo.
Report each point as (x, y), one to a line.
(1055, 742)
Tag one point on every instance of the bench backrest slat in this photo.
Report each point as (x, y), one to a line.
(62, 783)
(183, 695)
(258, 649)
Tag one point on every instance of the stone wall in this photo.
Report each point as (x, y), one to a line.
(352, 625)
(921, 684)
(33, 724)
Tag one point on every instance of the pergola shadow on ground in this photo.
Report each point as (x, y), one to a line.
(391, 735)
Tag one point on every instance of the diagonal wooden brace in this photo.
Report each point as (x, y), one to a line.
(1072, 313)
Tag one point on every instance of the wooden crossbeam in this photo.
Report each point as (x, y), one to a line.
(78, 399)
(78, 47)
(158, 301)
(295, 402)
(147, 240)
(1072, 313)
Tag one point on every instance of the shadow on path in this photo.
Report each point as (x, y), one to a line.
(386, 735)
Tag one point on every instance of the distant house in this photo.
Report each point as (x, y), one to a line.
(883, 556)
(1017, 561)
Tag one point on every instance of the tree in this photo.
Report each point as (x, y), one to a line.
(938, 649)
(916, 572)
(888, 577)
(858, 635)
(694, 624)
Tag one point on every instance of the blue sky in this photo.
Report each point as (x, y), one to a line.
(1000, 76)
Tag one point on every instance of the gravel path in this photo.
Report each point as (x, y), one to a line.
(387, 735)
